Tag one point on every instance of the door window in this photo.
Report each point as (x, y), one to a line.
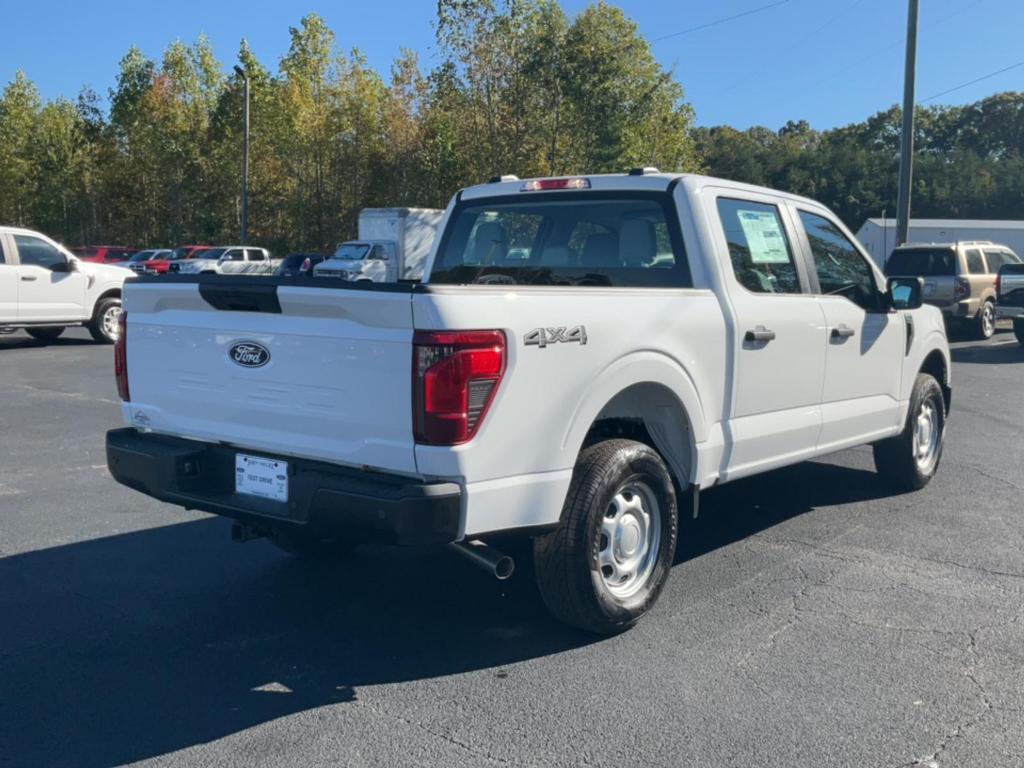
(975, 264)
(3, 259)
(841, 269)
(236, 254)
(996, 259)
(255, 254)
(39, 253)
(760, 253)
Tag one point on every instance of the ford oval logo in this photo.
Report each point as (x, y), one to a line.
(249, 354)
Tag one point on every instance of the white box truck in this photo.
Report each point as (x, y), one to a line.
(393, 245)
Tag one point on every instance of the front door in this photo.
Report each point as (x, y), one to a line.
(866, 341)
(47, 288)
(780, 345)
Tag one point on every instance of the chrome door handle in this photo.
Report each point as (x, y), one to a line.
(759, 334)
(842, 332)
(28, 278)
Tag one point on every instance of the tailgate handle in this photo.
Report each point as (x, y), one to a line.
(231, 296)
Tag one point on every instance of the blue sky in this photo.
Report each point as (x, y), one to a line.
(831, 62)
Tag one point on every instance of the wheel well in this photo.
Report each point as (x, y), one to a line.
(113, 293)
(650, 414)
(935, 365)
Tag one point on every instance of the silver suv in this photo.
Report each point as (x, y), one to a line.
(959, 278)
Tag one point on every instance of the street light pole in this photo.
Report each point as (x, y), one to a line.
(245, 159)
(907, 139)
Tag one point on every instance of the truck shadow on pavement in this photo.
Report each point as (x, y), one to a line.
(136, 645)
(988, 354)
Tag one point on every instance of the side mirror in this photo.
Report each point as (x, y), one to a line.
(905, 292)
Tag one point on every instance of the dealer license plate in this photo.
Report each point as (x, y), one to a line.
(258, 476)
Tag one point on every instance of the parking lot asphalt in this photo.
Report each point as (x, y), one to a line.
(813, 618)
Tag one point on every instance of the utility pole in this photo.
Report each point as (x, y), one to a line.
(907, 139)
(245, 158)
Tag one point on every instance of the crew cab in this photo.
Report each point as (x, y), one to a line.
(583, 359)
(232, 260)
(44, 289)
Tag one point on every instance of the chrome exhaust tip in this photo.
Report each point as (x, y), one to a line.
(498, 564)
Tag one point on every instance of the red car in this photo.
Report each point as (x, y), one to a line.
(161, 266)
(103, 254)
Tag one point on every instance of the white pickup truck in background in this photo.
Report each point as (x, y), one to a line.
(584, 354)
(45, 289)
(232, 260)
(393, 245)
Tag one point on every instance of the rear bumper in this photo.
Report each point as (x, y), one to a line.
(324, 499)
(966, 308)
(1005, 312)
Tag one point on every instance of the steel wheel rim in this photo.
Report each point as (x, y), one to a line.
(987, 321)
(926, 436)
(111, 328)
(630, 539)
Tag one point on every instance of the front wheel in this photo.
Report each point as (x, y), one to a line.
(909, 461)
(605, 565)
(105, 327)
(985, 324)
(50, 333)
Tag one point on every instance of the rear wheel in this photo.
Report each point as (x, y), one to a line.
(605, 565)
(1018, 330)
(909, 460)
(985, 323)
(104, 326)
(50, 333)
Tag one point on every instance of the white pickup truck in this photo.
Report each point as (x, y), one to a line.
(45, 289)
(584, 355)
(231, 260)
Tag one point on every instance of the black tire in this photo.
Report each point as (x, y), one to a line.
(98, 328)
(566, 561)
(1018, 330)
(895, 458)
(49, 333)
(309, 547)
(985, 322)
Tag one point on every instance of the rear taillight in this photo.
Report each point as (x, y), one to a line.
(306, 266)
(999, 284)
(962, 288)
(121, 357)
(455, 377)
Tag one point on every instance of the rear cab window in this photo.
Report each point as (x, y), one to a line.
(611, 239)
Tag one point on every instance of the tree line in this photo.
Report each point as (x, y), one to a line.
(518, 87)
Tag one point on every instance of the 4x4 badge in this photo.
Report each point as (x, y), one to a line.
(541, 337)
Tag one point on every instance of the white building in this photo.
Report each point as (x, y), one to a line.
(879, 235)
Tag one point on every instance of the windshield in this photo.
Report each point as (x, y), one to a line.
(605, 239)
(352, 251)
(921, 262)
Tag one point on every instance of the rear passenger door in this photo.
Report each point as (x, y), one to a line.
(865, 341)
(779, 344)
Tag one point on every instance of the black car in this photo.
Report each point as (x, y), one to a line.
(295, 264)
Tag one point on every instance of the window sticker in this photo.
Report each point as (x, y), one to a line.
(764, 237)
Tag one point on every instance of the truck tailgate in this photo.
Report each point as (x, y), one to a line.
(322, 373)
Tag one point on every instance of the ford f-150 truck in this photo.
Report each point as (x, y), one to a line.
(583, 358)
(45, 289)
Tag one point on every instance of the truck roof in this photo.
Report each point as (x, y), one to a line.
(650, 181)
